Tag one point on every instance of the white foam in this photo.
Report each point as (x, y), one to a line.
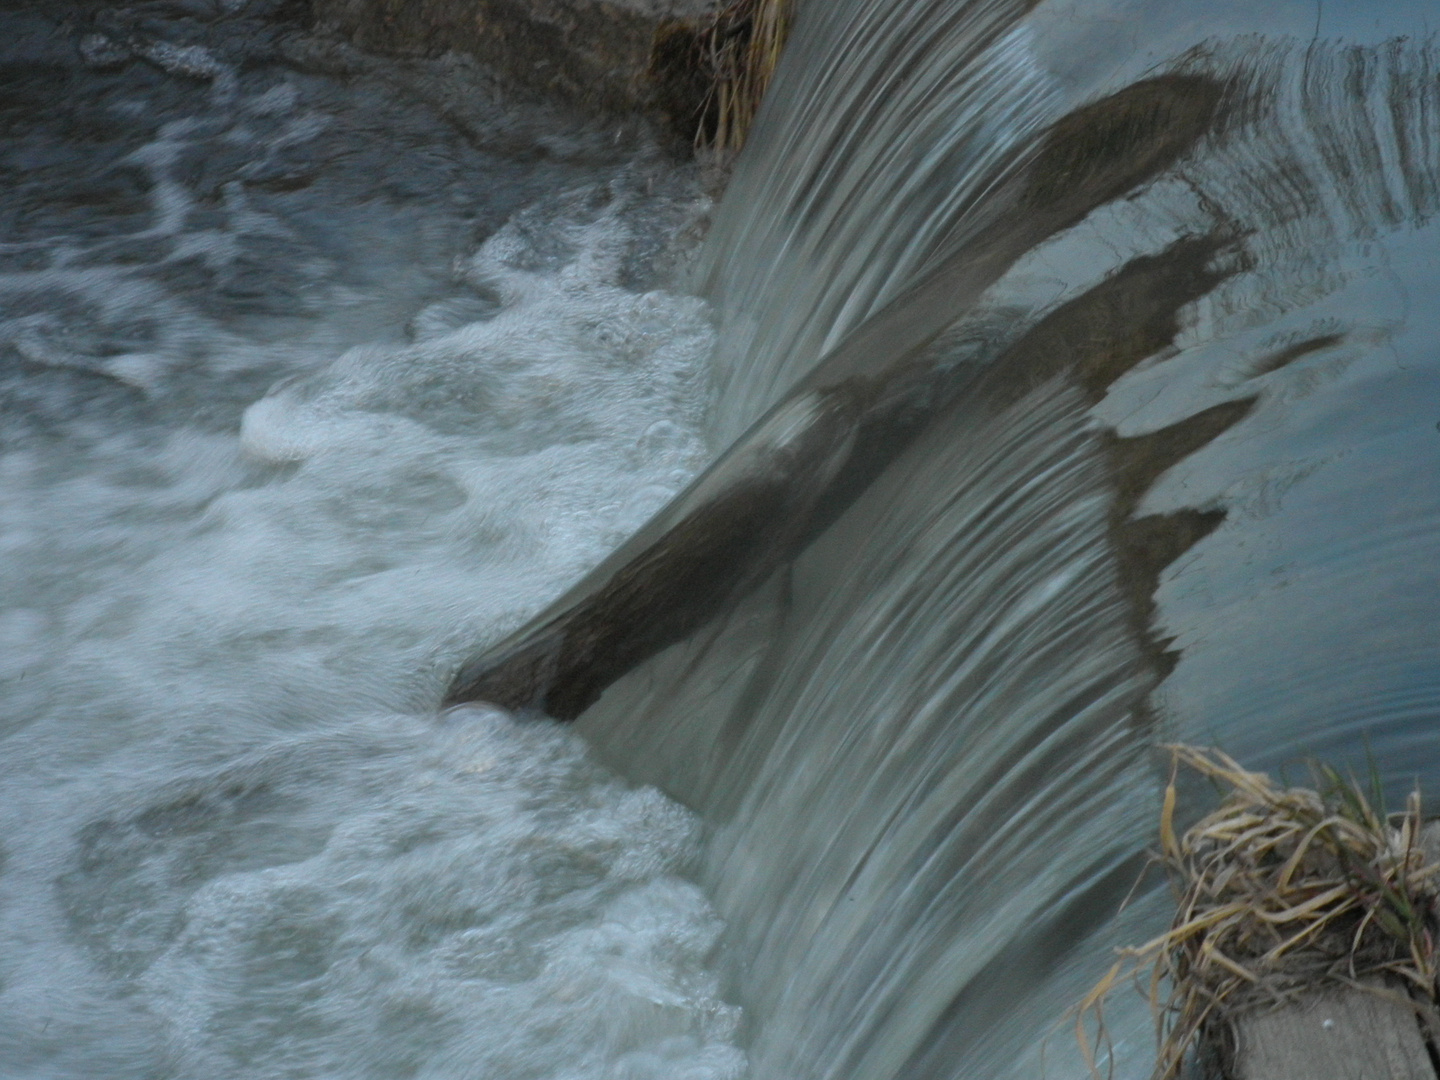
(506, 904)
(237, 843)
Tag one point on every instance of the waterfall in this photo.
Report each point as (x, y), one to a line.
(955, 89)
(1082, 386)
(456, 623)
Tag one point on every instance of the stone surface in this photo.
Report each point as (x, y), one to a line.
(1340, 1034)
(609, 55)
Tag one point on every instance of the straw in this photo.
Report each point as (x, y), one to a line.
(1278, 890)
(741, 47)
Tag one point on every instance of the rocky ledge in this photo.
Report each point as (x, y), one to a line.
(606, 55)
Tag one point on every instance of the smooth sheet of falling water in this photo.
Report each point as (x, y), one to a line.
(927, 744)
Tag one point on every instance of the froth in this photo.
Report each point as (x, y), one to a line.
(237, 842)
(507, 904)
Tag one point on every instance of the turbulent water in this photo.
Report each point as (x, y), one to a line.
(309, 383)
(1073, 376)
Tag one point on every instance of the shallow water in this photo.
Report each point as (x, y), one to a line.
(310, 379)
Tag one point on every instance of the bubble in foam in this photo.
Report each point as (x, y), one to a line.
(232, 849)
(509, 910)
(550, 354)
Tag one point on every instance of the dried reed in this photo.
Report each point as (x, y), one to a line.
(1278, 889)
(741, 47)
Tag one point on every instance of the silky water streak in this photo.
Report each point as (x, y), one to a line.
(910, 643)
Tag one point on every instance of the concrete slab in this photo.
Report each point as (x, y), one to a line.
(1341, 1034)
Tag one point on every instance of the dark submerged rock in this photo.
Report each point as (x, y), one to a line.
(815, 452)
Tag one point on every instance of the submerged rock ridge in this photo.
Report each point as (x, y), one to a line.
(918, 712)
(803, 464)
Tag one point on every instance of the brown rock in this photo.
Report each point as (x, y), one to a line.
(606, 55)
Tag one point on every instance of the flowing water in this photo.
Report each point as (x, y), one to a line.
(1072, 371)
(1194, 496)
(310, 382)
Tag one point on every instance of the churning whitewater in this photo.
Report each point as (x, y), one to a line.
(1064, 384)
(237, 841)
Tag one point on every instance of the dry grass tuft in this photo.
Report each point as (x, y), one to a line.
(1278, 889)
(741, 47)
